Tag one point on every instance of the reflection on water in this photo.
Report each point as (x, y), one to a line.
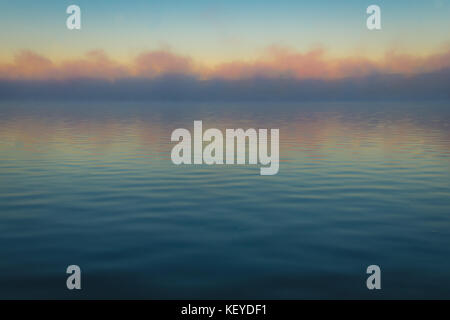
(91, 183)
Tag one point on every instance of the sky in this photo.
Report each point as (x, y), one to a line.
(229, 39)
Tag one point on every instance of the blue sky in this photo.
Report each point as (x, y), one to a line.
(217, 31)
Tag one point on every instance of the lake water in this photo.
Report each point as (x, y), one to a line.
(92, 184)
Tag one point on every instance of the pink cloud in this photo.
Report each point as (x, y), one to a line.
(27, 64)
(274, 62)
(150, 64)
(95, 64)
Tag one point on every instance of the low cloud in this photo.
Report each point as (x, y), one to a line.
(275, 62)
(279, 74)
(434, 85)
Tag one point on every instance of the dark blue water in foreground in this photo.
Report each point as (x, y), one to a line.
(92, 184)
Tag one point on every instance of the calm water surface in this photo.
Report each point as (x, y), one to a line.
(92, 184)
